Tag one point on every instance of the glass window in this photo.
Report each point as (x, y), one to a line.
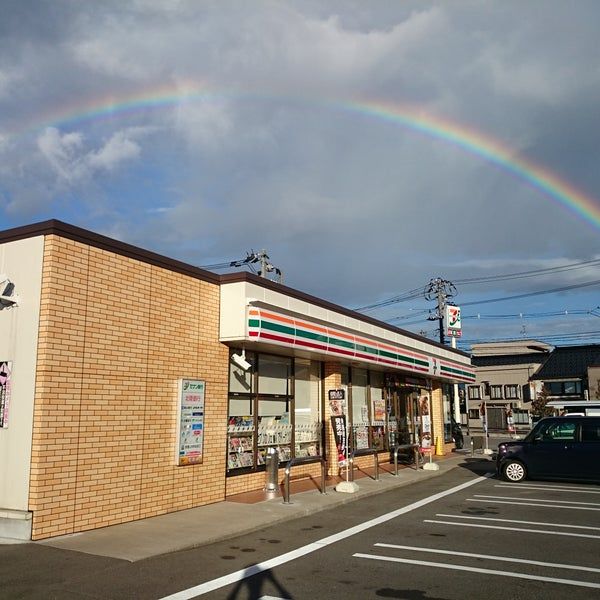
(495, 391)
(360, 414)
(447, 411)
(564, 431)
(274, 373)
(377, 398)
(359, 410)
(572, 387)
(511, 391)
(241, 381)
(307, 411)
(474, 413)
(563, 388)
(474, 392)
(273, 412)
(554, 387)
(590, 431)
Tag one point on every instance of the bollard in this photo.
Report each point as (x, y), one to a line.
(271, 470)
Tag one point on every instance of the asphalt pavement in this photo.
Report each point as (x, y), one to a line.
(204, 525)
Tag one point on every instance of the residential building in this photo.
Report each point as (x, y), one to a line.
(502, 381)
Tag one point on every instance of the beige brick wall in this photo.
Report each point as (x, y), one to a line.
(112, 346)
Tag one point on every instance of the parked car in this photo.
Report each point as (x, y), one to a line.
(566, 447)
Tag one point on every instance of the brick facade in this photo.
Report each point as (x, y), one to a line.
(115, 336)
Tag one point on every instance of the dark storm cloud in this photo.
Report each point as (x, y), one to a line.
(352, 207)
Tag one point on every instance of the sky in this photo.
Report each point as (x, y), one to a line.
(368, 147)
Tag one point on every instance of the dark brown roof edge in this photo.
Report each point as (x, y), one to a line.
(85, 236)
(103, 242)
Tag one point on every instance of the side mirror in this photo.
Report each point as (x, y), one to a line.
(537, 437)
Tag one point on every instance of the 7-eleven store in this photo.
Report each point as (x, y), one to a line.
(135, 385)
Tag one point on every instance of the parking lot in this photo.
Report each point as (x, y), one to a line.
(499, 540)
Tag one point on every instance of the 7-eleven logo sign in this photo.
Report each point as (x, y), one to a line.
(453, 322)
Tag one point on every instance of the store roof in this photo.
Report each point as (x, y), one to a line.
(56, 227)
(569, 361)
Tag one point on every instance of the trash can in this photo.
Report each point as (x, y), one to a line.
(272, 470)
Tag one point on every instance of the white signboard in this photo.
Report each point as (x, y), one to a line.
(453, 322)
(190, 421)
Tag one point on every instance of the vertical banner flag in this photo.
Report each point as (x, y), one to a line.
(338, 424)
(453, 322)
(5, 369)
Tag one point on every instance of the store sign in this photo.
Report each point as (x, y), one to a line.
(453, 322)
(337, 402)
(5, 372)
(190, 421)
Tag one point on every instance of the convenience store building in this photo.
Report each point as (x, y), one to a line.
(133, 385)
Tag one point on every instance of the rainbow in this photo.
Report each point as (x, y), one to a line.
(473, 142)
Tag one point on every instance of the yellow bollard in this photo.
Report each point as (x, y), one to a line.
(439, 451)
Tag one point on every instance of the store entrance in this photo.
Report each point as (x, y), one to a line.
(404, 416)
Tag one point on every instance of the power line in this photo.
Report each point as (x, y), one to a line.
(540, 315)
(415, 293)
(526, 274)
(530, 294)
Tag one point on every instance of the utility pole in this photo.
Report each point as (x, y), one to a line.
(439, 290)
(267, 267)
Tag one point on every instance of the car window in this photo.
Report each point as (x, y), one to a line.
(590, 432)
(563, 431)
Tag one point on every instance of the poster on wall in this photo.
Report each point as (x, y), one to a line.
(425, 423)
(190, 421)
(5, 371)
(337, 402)
(378, 410)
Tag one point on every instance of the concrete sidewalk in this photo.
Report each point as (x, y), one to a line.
(207, 524)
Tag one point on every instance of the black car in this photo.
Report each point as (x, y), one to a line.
(556, 448)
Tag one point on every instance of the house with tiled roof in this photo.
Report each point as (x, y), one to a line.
(502, 381)
(570, 373)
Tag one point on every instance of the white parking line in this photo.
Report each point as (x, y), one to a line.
(235, 577)
(532, 504)
(527, 486)
(543, 486)
(481, 526)
(491, 557)
(520, 522)
(480, 570)
(538, 500)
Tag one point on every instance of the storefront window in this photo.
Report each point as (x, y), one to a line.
(241, 381)
(377, 398)
(360, 409)
(271, 406)
(274, 373)
(307, 411)
(447, 411)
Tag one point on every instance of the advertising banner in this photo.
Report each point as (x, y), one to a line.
(5, 372)
(337, 402)
(425, 423)
(190, 422)
(340, 432)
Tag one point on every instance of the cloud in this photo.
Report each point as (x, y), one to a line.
(72, 163)
(263, 151)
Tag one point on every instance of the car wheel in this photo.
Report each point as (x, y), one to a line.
(514, 471)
